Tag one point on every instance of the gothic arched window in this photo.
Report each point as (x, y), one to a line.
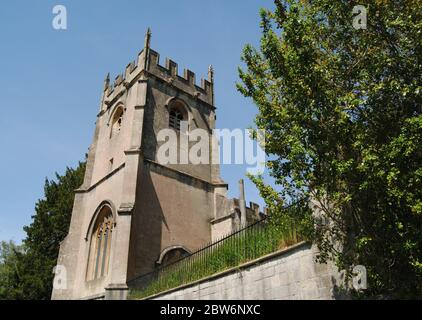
(177, 115)
(116, 122)
(100, 246)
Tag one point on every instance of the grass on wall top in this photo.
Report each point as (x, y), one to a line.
(255, 241)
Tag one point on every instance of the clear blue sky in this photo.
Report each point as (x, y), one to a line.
(51, 80)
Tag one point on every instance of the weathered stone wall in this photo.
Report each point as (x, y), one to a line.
(289, 274)
(200, 116)
(173, 209)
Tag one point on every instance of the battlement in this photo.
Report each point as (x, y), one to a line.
(148, 61)
(123, 78)
(170, 73)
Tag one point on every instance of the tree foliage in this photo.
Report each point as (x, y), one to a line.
(29, 269)
(342, 112)
(9, 252)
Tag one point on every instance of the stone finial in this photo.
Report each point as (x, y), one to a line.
(211, 74)
(242, 204)
(211, 80)
(107, 81)
(148, 38)
(146, 49)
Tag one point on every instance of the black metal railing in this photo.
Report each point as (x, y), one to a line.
(252, 242)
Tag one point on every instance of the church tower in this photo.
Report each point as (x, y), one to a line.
(133, 212)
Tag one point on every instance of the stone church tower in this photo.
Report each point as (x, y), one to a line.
(133, 213)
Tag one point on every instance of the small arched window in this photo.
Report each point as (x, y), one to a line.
(100, 246)
(172, 255)
(177, 115)
(116, 122)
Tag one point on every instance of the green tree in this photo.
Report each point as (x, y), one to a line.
(9, 276)
(342, 111)
(29, 272)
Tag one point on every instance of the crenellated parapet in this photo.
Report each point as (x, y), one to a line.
(148, 64)
(113, 89)
(186, 82)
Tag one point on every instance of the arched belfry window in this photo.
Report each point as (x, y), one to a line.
(100, 246)
(177, 115)
(176, 118)
(116, 122)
